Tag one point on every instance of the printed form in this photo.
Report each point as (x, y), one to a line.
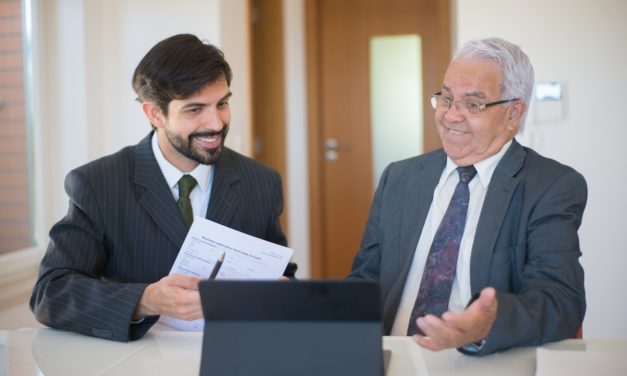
(245, 257)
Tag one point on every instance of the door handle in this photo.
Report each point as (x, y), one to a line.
(332, 147)
(331, 144)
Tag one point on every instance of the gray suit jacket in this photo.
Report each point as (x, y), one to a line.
(123, 230)
(526, 244)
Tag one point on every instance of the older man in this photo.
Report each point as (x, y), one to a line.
(475, 245)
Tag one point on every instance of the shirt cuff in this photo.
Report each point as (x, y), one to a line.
(472, 348)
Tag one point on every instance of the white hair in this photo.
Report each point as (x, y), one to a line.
(516, 69)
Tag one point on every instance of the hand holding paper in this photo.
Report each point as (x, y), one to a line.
(174, 295)
(243, 257)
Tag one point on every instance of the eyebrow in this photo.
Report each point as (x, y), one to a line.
(478, 94)
(201, 104)
(227, 96)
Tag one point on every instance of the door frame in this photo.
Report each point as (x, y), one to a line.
(267, 67)
(442, 49)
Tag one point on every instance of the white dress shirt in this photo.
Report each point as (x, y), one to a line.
(203, 174)
(460, 293)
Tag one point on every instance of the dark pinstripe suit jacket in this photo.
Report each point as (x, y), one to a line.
(123, 231)
(525, 245)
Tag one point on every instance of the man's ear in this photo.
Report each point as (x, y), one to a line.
(515, 113)
(154, 114)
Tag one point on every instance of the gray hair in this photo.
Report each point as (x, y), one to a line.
(516, 69)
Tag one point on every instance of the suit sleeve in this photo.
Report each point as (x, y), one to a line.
(367, 263)
(274, 233)
(70, 293)
(548, 301)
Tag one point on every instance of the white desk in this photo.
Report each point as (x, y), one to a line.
(51, 352)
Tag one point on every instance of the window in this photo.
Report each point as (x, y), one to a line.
(15, 203)
(18, 270)
(395, 99)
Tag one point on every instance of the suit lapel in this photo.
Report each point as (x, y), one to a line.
(224, 198)
(497, 200)
(155, 195)
(413, 204)
(419, 195)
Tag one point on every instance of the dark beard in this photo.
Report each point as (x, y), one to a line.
(204, 156)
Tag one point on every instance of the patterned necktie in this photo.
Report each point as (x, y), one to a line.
(186, 184)
(439, 273)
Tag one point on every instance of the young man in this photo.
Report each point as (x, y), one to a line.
(105, 272)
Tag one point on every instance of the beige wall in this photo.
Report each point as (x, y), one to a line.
(580, 43)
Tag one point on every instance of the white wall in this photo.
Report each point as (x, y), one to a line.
(296, 133)
(580, 43)
(118, 34)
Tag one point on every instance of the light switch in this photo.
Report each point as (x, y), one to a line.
(549, 102)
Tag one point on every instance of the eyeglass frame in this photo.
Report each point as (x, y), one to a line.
(434, 101)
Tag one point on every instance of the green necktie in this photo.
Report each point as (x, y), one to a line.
(186, 184)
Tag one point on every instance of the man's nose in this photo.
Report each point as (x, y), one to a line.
(212, 120)
(454, 113)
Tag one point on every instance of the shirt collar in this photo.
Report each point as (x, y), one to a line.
(202, 173)
(485, 168)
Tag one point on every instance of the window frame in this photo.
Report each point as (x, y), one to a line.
(18, 268)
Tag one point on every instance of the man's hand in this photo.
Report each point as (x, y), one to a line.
(174, 295)
(457, 329)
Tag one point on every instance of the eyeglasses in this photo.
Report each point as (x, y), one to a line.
(470, 105)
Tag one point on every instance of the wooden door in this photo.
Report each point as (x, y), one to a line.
(338, 37)
(268, 88)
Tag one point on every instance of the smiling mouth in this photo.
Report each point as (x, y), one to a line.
(456, 132)
(211, 139)
(209, 142)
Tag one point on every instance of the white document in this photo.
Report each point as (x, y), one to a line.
(245, 257)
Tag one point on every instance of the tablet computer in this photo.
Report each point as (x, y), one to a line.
(315, 327)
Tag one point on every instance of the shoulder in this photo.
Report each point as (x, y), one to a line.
(118, 162)
(112, 172)
(541, 170)
(121, 162)
(427, 161)
(244, 166)
(541, 178)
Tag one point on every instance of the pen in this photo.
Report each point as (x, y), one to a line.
(216, 267)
